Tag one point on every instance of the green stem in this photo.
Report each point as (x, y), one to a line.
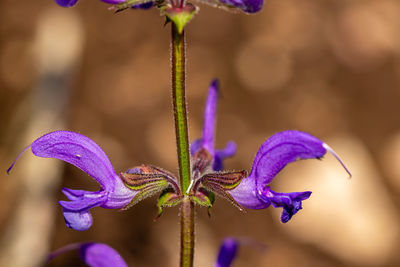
(182, 141)
(180, 116)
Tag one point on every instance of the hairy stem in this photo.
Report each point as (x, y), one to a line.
(182, 141)
(180, 116)
(187, 233)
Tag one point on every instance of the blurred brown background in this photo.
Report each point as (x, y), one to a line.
(331, 68)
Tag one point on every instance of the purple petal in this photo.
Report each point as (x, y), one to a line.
(281, 149)
(290, 202)
(80, 221)
(210, 113)
(221, 154)
(194, 146)
(73, 194)
(227, 252)
(76, 211)
(101, 255)
(246, 194)
(85, 202)
(77, 150)
(207, 139)
(66, 3)
(249, 6)
(120, 196)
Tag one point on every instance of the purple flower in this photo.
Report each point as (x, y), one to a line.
(94, 254)
(100, 255)
(253, 191)
(85, 154)
(274, 154)
(229, 249)
(207, 140)
(227, 252)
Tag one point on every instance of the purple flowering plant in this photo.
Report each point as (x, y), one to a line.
(201, 167)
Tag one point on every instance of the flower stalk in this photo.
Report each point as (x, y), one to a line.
(182, 140)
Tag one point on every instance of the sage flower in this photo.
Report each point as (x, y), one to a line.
(86, 155)
(274, 154)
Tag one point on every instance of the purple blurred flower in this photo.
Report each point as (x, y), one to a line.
(100, 255)
(66, 3)
(227, 252)
(85, 154)
(253, 192)
(229, 249)
(94, 254)
(248, 6)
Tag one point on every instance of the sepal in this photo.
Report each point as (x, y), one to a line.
(147, 180)
(220, 183)
(202, 161)
(204, 197)
(227, 180)
(168, 198)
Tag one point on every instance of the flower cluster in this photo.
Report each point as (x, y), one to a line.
(86, 155)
